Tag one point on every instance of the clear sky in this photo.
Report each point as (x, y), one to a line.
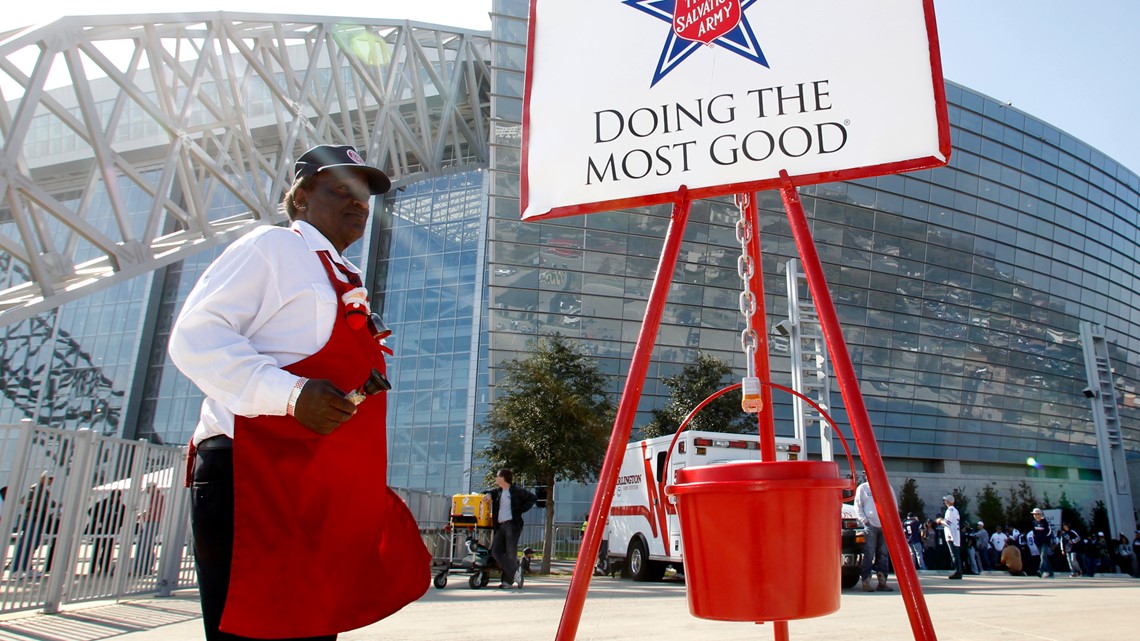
(1071, 64)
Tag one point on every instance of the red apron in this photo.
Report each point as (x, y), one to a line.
(321, 543)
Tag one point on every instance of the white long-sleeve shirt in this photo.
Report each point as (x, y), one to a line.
(865, 508)
(950, 525)
(264, 304)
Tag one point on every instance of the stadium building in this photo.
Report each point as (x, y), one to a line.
(976, 299)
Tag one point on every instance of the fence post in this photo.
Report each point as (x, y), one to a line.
(124, 569)
(16, 485)
(74, 501)
(173, 538)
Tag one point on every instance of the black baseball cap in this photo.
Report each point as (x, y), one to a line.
(323, 157)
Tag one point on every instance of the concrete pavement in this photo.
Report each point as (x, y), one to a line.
(991, 606)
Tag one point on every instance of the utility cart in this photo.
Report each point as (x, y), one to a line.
(468, 537)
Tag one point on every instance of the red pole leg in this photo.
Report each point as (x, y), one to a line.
(920, 621)
(623, 422)
(765, 419)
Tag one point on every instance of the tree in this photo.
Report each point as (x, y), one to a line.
(910, 501)
(550, 421)
(1071, 514)
(962, 502)
(694, 384)
(990, 509)
(1019, 506)
(1099, 521)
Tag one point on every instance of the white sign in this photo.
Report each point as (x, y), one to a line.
(1053, 517)
(628, 100)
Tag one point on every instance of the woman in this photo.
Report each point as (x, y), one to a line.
(296, 532)
(930, 546)
(1122, 555)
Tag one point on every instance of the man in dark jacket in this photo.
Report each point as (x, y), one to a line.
(508, 503)
(913, 529)
(1043, 539)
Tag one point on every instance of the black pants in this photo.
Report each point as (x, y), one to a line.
(505, 549)
(212, 520)
(955, 558)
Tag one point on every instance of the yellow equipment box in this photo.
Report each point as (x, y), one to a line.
(469, 509)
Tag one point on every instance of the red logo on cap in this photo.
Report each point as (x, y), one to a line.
(705, 20)
(355, 157)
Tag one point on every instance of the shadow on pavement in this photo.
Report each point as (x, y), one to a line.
(102, 622)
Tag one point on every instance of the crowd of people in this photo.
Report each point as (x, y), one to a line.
(1039, 550)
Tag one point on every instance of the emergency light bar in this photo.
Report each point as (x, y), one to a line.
(738, 445)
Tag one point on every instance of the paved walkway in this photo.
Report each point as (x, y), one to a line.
(993, 606)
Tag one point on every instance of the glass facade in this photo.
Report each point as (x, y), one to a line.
(72, 367)
(430, 279)
(960, 291)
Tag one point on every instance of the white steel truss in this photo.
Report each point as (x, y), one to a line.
(131, 142)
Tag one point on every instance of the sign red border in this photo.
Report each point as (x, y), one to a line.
(927, 162)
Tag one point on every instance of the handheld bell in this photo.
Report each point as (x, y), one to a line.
(380, 331)
(375, 384)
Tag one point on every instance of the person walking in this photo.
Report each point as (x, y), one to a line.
(875, 553)
(508, 503)
(951, 523)
(1070, 546)
(1043, 538)
(296, 532)
(913, 529)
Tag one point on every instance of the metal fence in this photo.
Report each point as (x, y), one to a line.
(89, 517)
(433, 511)
(566, 539)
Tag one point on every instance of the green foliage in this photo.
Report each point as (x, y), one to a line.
(990, 509)
(1019, 506)
(1100, 521)
(962, 502)
(551, 417)
(550, 420)
(1071, 514)
(694, 384)
(910, 501)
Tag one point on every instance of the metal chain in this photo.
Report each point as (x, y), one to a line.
(746, 269)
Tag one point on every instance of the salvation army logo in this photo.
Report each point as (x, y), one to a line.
(695, 22)
(705, 20)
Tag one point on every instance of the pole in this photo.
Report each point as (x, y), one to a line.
(919, 616)
(623, 421)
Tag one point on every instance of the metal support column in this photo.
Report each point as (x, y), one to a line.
(811, 369)
(1101, 393)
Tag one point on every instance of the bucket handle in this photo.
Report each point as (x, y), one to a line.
(848, 492)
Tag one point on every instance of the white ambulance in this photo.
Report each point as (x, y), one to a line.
(643, 530)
